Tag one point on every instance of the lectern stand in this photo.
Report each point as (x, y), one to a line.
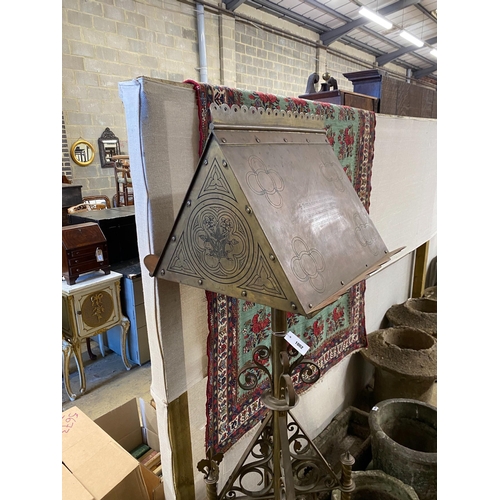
(272, 218)
(281, 459)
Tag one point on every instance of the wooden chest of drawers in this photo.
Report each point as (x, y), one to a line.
(344, 98)
(84, 249)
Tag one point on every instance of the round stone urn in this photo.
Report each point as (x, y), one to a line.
(431, 293)
(418, 313)
(405, 361)
(377, 485)
(404, 443)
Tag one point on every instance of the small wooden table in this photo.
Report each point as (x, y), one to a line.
(90, 307)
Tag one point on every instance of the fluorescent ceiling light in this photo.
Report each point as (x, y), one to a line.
(434, 53)
(411, 38)
(375, 18)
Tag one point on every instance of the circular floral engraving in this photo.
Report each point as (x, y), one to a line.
(220, 242)
(308, 264)
(265, 181)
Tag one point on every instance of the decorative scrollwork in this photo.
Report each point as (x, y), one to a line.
(255, 478)
(261, 354)
(210, 466)
(308, 466)
(287, 389)
(298, 440)
(309, 372)
(251, 372)
(285, 361)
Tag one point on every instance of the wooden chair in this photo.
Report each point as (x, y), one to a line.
(99, 202)
(124, 188)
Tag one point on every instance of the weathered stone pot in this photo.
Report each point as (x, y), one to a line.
(418, 313)
(348, 430)
(431, 293)
(404, 443)
(377, 485)
(405, 361)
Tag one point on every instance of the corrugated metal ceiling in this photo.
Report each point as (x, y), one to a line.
(339, 20)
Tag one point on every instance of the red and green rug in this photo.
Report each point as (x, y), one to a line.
(236, 327)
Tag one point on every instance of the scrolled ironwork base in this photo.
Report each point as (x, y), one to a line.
(281, 462)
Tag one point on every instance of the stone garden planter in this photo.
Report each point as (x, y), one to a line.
(377, 485)
(404, 443)
(418, 313)
(348, 431)
(431, 293)
(405, 361)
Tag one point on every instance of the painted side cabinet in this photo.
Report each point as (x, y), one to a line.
(90, 307)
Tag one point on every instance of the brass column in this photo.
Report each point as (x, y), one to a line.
(278, 344)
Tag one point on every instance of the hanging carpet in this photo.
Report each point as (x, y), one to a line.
(237, 327)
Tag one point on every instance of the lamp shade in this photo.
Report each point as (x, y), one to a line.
(270, 216)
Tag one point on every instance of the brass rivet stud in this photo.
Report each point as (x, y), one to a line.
(162, 272)
(205, 162)
(188, 203)
(223, 140)
(310, 305)
(248, 210)
(200, 282)
(272, 257)
(257, 139)
(342, 283)
(294, 306)
(244, 293)
(224, 163)
(173, 238)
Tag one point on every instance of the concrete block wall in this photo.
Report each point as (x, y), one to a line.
(108, 41)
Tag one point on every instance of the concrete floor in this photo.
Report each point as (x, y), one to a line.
(109, 384)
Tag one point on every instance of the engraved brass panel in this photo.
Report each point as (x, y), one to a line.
(271, 216)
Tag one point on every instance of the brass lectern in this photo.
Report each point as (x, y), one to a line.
(271, 217)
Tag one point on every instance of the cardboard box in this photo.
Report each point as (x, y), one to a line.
(72, 488)
(101, 465)
(132, 424)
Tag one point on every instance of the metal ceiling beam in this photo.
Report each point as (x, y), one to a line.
(284, 13)
(301, 20)
(275, 9)
(333, 35)
(384, 59)
(232, 5)
(328, 10)
(425, 71)
(426, 12)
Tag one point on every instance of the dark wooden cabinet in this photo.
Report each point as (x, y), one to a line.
(71, 196)
(118, 226)
(344, 98)
(396, 97)
(84, 249)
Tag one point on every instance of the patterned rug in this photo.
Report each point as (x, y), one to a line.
(236, 327)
